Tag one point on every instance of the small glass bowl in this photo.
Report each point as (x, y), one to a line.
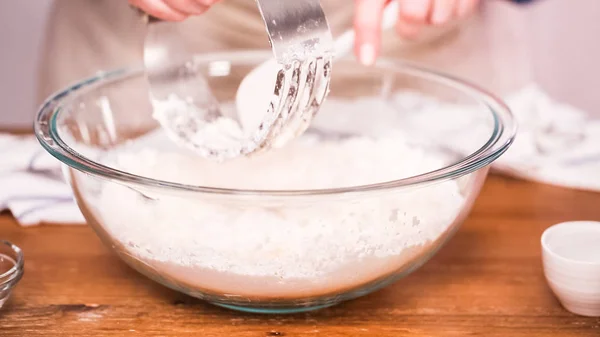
(280, 250)
(11, 269)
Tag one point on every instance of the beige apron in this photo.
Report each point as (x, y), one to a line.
(86, 36)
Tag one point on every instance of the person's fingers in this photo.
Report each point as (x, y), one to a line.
(408, 30)
(159, 9)
(415, 11)
(443, 11)
(207, 3)
(367, 25)
(415, 14)
(412, 16)
(466, 7)
(189, 7)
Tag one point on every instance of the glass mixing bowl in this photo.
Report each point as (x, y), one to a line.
(418, 145)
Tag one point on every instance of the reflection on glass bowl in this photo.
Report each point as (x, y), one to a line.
(365, 197)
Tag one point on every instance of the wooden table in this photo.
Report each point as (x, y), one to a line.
(486, 281)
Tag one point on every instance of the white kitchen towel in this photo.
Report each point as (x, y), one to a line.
(556, 143)
(32, 186)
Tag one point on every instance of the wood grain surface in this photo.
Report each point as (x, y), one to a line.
(486, 281)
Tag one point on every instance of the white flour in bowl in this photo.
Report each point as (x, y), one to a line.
(277, 247)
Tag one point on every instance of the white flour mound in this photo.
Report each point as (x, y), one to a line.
(293, 238)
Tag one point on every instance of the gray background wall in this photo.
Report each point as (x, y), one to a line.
(21, 30)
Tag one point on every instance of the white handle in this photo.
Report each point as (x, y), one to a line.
(345, 42)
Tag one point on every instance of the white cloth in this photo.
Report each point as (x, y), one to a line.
(32, 186)
(556, 143)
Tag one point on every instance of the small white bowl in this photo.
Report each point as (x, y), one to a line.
(571, 259)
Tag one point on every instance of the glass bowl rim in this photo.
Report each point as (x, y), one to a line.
(503, 135)
(13, 275)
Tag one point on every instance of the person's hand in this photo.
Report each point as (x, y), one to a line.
(173, 10)
(413, 17)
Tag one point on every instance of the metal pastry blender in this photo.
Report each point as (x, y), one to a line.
(303, 47)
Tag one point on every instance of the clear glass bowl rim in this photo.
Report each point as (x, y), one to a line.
(12, 276)
(503, 135)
